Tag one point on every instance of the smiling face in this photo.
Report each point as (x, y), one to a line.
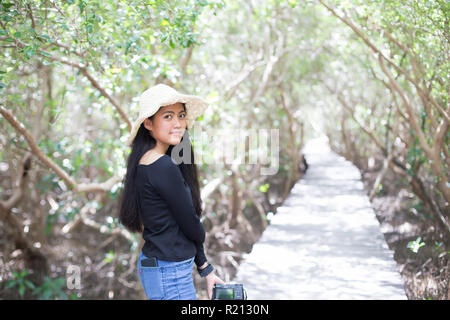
(168, 126)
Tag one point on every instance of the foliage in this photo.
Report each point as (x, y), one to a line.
(20, 283)
(264, 188)
(415, 245)
(49, 289)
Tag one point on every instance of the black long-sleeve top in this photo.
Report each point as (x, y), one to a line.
(172, 229)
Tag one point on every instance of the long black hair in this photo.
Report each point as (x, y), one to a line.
(129, 209)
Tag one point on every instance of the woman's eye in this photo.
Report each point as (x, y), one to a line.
(182, 116)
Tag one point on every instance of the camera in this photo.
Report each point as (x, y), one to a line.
(229, 292)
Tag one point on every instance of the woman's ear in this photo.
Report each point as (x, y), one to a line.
(148, 124)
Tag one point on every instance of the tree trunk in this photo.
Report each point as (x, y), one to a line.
(235, 202)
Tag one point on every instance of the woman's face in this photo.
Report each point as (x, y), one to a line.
(168, 125)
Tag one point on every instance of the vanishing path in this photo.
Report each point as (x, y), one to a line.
(324, 242)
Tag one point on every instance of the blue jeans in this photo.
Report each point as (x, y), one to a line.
(168, 281)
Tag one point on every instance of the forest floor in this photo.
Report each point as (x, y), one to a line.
(425, 273)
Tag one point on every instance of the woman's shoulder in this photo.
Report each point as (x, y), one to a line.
(162, 173)
(164, 161)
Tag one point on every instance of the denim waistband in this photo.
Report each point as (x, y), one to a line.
(168, 264)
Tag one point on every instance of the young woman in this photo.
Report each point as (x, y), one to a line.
(162, 199)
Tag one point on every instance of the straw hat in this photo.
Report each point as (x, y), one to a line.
(162, 95)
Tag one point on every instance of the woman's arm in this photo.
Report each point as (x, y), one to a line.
(200, 258)
(171, 186)
(211, 278)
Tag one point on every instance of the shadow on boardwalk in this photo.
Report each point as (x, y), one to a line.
(324, 242)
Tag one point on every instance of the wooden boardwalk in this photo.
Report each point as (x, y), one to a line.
(324, 242)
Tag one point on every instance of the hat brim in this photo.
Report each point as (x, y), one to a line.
(195, 107)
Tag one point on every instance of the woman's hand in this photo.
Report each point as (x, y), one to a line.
(211, 280)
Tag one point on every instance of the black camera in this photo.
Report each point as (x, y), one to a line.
(229, 292)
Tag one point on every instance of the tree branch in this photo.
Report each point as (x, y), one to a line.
(247, 70)
(433, 152)
(33, 24)
(410, 111)
(380, 54)
(185, 59)
(352, 113)
(84, 218)
(71, 184)
(83, 70)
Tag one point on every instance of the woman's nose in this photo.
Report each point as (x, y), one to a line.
(178, 122)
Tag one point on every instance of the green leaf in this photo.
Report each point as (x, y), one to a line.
(45, 53)
(414, 246)
(21, 290)
(264, 188)
(6, 18)
(6, 6)
(81, 5)
(44, 38)
(29, 51)
(29, 284)
(292, 3)
(109, 257)
(10, 284)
